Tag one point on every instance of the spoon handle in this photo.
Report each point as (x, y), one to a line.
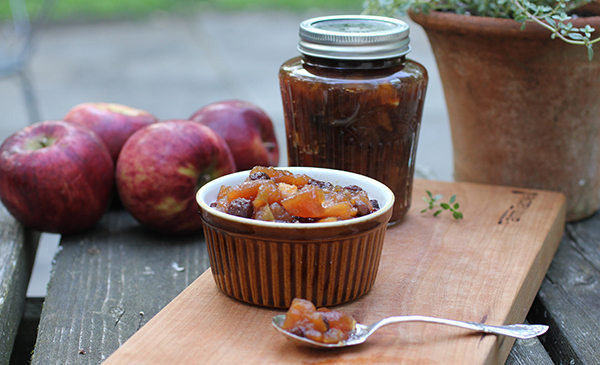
(522, 331)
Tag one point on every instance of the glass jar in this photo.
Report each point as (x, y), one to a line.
(353, 101)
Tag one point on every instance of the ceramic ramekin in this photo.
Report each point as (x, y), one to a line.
(269, 264)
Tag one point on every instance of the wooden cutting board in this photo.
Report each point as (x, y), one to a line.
(486, 268)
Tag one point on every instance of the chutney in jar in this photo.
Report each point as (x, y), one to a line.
(355, 105)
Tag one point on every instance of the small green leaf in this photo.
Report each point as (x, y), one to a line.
(588, 29)
(424, 210)
(561, 17)
(429, 193)
(521, 18)
(575, 36)
(445, 206)
(457, 215)
(456, 206)
(452, 199)
(437, 213)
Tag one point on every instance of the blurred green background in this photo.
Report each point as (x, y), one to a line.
(86, 10)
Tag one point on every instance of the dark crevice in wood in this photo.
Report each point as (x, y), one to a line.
(141, 323)
(554, 341)
(27, 333)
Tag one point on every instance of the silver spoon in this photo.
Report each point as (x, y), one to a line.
(362, 332)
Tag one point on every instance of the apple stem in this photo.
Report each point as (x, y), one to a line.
(44, 142)
(270, 145)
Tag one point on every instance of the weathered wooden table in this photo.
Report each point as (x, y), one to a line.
(108, 282)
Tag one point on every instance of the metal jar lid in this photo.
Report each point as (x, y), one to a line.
(354, 37)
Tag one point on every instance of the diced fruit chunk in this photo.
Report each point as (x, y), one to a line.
(342, 210)
(306, 203)
(263, 214)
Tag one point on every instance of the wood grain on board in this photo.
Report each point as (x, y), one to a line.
(486, 267)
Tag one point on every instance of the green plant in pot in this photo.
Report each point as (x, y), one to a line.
(522, 89)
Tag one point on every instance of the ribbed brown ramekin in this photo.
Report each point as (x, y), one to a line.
(269, 264)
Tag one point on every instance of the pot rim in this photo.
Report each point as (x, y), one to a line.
(488, 26)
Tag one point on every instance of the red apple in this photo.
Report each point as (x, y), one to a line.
(113, 123)
(248, 130)
(56, 177)
(162, 166)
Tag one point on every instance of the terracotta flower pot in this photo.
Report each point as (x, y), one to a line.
(524, 109)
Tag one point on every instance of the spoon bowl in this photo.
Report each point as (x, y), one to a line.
(361, 332)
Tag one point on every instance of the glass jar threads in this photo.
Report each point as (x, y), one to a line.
(353, 101)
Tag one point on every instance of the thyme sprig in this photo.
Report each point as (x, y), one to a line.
(432, 204)
(555, 20)
(551, 14)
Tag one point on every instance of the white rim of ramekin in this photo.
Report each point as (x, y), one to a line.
(238, 177)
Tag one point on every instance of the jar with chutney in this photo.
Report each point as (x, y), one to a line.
(353, 101)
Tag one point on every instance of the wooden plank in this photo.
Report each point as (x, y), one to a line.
(107, 282)
(17, 254)
(569, 298)
(486, 267)
(528, 352)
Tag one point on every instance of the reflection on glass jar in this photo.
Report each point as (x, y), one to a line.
(359, 115)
